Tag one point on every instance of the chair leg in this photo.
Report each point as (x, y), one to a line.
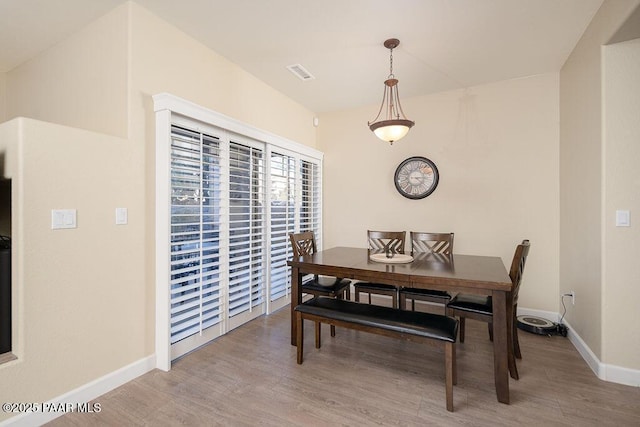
(461, 329)
(299, 337)
(394, 300)
(318, 334)
(516, 343)
(413, 304)
(455, 364)
(356, 291)
(333, 331)
(490, 326)
(513, 368)
(449, 374)
(403, 301)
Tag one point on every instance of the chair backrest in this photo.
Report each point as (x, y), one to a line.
(517, 268)
(303, 243)
(383, 241)
(434, 243)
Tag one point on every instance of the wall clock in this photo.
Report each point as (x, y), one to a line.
(416, 177)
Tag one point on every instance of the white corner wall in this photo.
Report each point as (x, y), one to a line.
(78, 293)
(582, 177)
(621, 293)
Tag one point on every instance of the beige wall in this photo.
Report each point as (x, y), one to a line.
(89, 296)
(581, 174)
(3, 97)
(164, 59)
(81, 82)
(496, 148)
(621, 293)
(78, 293)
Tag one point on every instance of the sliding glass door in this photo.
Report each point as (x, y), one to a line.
(234, 200)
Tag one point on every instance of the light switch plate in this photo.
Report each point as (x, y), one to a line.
(622, 219)
(63, 218)
(121, 216)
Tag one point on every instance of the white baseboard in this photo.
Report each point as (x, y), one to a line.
(83, 394)
(610, 373)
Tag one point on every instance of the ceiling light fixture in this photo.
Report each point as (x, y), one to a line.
(394, 125)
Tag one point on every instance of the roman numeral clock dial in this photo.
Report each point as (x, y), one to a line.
(416, 177)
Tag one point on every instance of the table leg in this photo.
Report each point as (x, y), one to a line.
(296, 298)
(513, 369)
(501, 346)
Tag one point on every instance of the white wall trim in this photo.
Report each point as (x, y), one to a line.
(175, 104)
(85, 393)
(610, 373)
(620, 375)
(606, 372)
(162, 240)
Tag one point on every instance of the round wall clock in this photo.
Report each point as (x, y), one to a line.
(416, 177)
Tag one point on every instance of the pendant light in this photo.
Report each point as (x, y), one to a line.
(393, 125)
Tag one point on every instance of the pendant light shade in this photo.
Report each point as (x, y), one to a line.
(390, 124)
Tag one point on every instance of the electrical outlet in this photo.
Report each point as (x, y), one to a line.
(571, 294)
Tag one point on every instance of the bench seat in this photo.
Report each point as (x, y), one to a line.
(434, 329)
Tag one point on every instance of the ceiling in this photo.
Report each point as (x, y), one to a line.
(444, 44)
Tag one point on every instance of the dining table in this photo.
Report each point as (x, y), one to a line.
(484, 275)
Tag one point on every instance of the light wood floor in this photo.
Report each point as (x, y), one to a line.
(250, 377)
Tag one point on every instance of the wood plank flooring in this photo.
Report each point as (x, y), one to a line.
(250, 377)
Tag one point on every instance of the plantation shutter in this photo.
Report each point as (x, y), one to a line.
(246, 228)
(227, 195)
(282, 171)
(195, 232)
(310, 199)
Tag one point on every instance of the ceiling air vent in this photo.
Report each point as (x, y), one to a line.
(300, 72)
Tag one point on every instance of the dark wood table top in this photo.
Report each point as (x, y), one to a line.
(473, 273)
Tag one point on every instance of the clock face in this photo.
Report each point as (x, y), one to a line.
(416, 177)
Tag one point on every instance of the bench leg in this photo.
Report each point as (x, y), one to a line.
(449, 352)
(299, 337)
(318, 334)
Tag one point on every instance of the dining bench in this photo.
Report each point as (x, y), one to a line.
(434, 329)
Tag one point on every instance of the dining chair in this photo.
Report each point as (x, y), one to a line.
(480, 307)
(427, 243)
(382, 242)
(305, 244)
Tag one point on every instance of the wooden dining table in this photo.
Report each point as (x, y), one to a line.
(485, 275)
